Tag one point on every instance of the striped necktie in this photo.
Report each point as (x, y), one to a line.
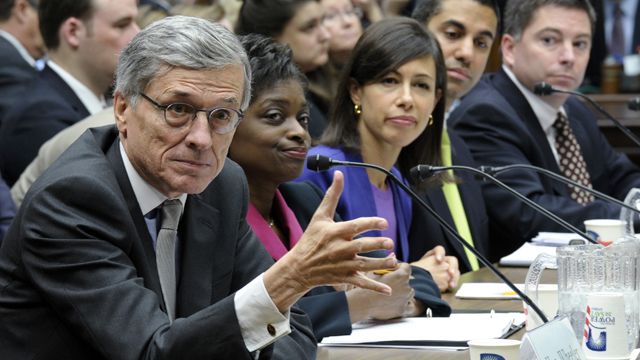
(166, 253)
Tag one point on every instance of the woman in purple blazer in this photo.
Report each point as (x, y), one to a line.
(388, 111)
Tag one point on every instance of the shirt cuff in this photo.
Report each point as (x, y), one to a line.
(261, 323)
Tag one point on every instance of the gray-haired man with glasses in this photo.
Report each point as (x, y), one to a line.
(134, 244)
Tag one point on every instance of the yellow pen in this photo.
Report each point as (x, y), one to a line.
(386, 271)
(382, 271)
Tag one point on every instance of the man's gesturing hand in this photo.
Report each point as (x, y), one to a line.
(327, 254)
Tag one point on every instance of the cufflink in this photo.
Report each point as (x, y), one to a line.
(271, 329)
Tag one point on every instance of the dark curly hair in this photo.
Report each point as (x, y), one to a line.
(271, 62)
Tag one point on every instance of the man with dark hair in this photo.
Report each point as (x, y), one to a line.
(20, 46)
(503, 122)
(466, 30)
(83, 39)
(134, 243)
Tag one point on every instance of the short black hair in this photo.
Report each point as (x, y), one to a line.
(271, 62)
(519, 13)
(424, 10)
(5, 9)
(266, 17)
(53, 13)
(7, 5)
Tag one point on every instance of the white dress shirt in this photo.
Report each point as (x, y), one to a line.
(90, 101)
(254, 307)
(545, 113)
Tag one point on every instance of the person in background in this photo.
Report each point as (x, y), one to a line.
(466, 30)
(389, 111)
(146, 223)
(150, 11)
(20, 46)
(343, 21)
(616, 33)
(53, 148)
(299, 24)
(271, 145)
(83, 39)
(503, 122)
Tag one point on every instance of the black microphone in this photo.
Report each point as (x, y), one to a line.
(634, 104)
(496, 170)
(321, 163)
(544, 89)
(422, 172)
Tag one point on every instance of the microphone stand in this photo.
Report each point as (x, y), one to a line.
(320, 163)
(496, 170)
(544, 88)
(418, 172)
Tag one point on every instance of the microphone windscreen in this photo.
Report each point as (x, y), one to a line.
(318, 162)
(634, 104)
(542, 88)
(419, 173)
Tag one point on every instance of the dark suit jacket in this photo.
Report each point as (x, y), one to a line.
(426, 233)
(327, 308)
(78, 276)
(7, 209)
(599, 48)
(500, 128)
(48, 106)
(15, 73)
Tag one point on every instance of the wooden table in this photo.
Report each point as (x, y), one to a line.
(483, 275)
(616, 105)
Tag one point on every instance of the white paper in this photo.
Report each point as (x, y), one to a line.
(457, 327)
(526, 254)
(487, 291)
(555, 238)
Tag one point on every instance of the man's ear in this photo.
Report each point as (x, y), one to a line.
(506, 46)
(121, 108)
(72, 31)
(19, 11)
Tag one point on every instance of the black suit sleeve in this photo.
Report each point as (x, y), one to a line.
(496, 136)
(428, 293)
(7, 209)
(80, 258)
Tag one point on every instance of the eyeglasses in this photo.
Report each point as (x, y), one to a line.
(222, 120)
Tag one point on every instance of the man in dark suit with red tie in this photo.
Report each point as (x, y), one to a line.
(503, 122)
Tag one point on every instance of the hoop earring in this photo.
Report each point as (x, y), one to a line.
(430, 122)
(357, 109)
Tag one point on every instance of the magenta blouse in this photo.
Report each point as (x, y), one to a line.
(267, 236)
